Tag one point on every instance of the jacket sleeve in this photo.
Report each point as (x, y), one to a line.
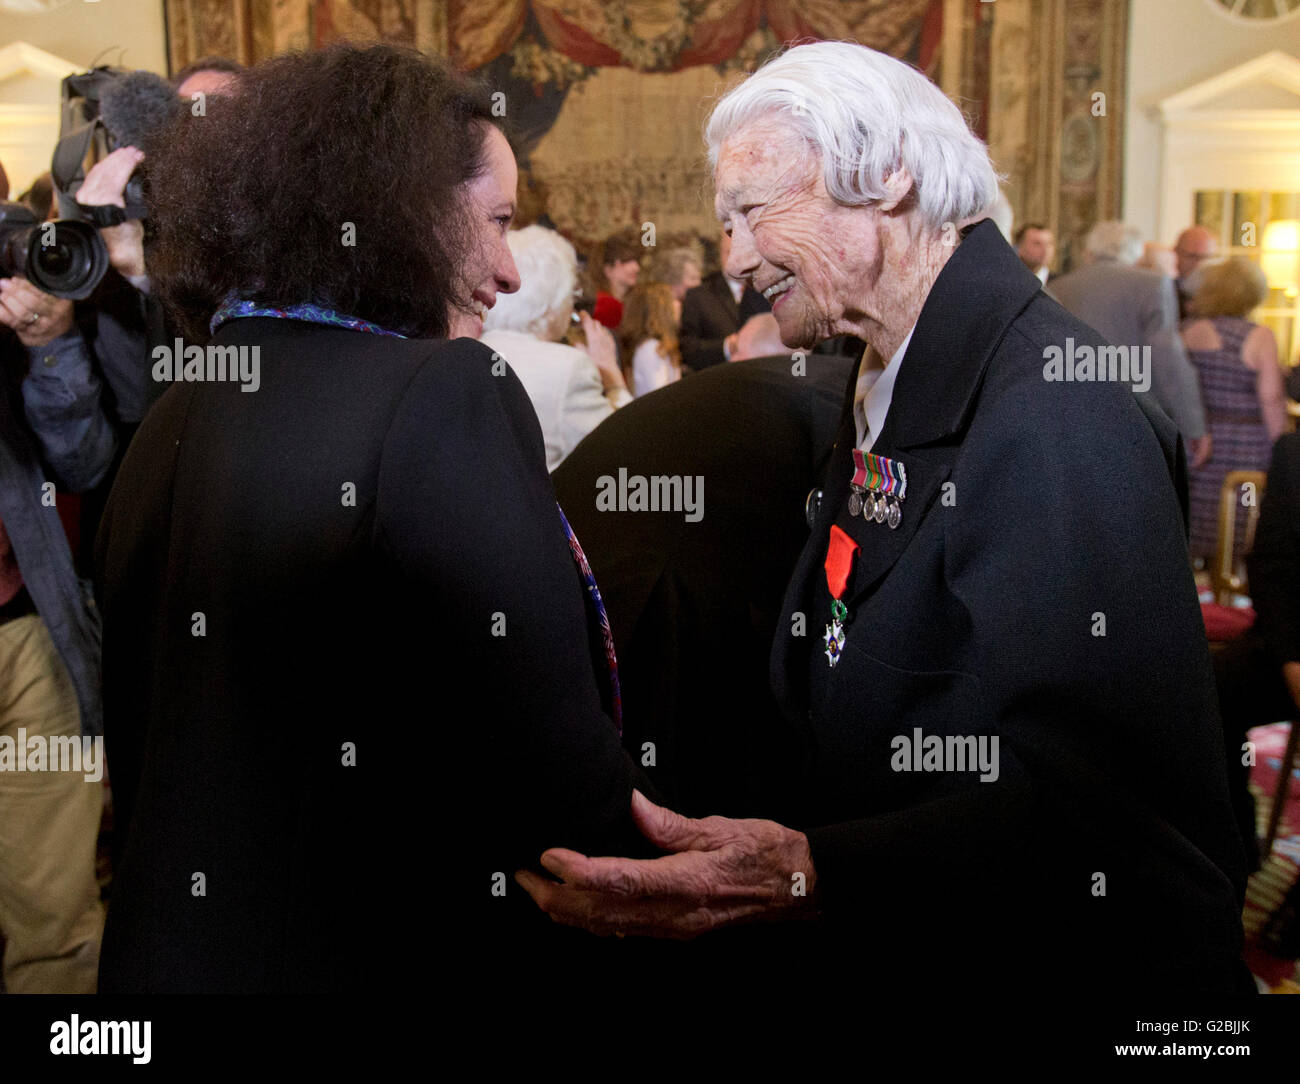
(467, 517)
(1274, 561)
(62, 398)
(585, 405)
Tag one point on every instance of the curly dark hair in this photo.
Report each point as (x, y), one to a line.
(255, 197)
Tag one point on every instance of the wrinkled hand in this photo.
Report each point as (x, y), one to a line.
(721, 872)
(1201, 448)
(37, 317)
(106, 184)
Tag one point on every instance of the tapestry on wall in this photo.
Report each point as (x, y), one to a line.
(607, 98)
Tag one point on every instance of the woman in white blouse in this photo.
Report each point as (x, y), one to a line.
(573, 390)
(647, 338)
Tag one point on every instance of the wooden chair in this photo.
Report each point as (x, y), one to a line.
(1227, 574)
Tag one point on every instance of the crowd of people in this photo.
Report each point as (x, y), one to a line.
(345, 604)
(1213, 371)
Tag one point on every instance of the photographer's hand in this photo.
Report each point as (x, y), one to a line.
(37, 317)
(106, 184)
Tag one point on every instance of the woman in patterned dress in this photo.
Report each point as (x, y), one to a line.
(1241, 384)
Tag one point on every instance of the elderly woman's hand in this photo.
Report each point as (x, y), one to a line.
(601, 349)
(720, 872)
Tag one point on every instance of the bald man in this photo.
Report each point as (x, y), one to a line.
(211, 75)
(1194, 246)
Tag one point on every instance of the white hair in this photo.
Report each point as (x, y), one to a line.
(548, 273)
(866, 115)
(1114, 240)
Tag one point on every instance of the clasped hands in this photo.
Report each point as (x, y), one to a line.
(718, 872)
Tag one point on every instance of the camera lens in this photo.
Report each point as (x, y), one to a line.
(55, 261)
(71, 264)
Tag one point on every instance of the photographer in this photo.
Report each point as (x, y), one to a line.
(53, 429)
(129, 321)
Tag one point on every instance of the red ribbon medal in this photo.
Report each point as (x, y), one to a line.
(839, 564)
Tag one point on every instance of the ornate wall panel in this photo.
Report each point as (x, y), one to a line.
(1060, 146)
(608, 96)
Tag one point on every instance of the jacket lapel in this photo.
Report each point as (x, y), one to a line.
(977, 295)
(881, 547)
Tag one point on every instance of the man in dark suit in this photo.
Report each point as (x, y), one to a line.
(713, 312)
(694, 605)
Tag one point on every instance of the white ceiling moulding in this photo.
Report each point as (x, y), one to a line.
(19, 58)
(1239, 130)
(29, 128)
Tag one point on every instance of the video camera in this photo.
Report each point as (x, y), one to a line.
(103, 109)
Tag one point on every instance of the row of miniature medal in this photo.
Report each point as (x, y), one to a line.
(878, 488)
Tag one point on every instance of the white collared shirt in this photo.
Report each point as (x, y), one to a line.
(875, 391)
(737, 287)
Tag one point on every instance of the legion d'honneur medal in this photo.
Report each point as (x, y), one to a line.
(839, 563)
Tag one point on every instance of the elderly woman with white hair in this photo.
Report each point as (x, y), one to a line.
(572, 390)
(991, 643)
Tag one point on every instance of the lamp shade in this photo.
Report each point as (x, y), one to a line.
(1280, 255)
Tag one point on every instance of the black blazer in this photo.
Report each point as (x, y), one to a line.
(710, 314)
(1274, 561)
(694, 605)
(373, 544)
(1034, 512)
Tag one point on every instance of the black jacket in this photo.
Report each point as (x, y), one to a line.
(710, 314)
(1038, 590)
(1274, 561)
(694, 605)
(364, 553)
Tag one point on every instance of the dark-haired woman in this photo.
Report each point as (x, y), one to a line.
(350, 682)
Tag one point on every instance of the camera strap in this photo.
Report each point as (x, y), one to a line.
(104, 214)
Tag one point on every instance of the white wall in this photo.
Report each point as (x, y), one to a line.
(81, 32)
(1172, 45)
(84, 31)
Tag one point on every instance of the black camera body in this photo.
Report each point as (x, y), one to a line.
(63, 258)
(104, 109)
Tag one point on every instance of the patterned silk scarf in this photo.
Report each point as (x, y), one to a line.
(234, 308)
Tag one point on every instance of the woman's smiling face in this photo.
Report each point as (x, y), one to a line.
(816, 260)
(490, 267)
